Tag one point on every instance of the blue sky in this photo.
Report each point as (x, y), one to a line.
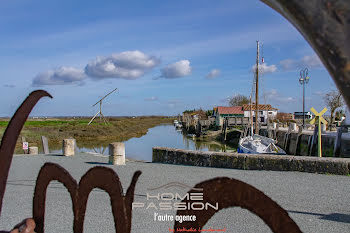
(163, 56)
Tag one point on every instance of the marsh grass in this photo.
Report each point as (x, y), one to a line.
(94, 135)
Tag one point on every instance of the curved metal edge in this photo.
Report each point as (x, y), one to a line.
(48, 173)
(228, 192)
(11, 134)
(129, 198)
(325, 25)
(107, 180)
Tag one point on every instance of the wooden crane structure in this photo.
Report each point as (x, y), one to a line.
(102, 117)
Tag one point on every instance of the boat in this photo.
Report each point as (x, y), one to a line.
(258, 144)
(178, 126)
(191, 135)
(255, 143)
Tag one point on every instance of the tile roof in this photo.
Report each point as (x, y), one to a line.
(230, 110)
(261, 107)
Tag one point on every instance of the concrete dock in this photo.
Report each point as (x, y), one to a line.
(317, 203)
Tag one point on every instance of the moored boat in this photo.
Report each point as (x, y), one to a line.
(257, 144)
(254, 143)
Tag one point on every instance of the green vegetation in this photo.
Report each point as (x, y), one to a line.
(189, 111)
(238, 100)
(209, 113)
(96, 134)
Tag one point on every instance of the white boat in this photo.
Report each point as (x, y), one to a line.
(191, 135)
(178, 125)
(254, 143)
(257, 144)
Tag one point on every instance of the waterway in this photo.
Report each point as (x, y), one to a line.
(159, 136)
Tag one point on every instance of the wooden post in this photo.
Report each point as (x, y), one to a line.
(225, 125)
(269, 130)
(320, 119)
(257, 89)
(24, 140)
(45, 145)
(313, 140)
(292, 126)
(285, 142)
(286, 137)
(297, 141)
(337, 142)
(309, 141)
(199, 128)
(319, 138)
(33, 150)
(68, 147)
(117, 153)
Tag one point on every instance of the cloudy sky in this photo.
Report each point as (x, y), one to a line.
(163, 56)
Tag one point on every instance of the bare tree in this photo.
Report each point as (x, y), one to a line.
(333, 100)
(238, 100)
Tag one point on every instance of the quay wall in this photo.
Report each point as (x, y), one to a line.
(301, 144)
(338, 166)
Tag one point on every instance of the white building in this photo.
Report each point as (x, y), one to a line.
(266, 112)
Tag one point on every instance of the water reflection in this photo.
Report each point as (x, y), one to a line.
(161, 136)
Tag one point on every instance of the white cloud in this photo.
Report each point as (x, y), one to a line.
(225, 100)
(61, 76)
(309, 61)
(288, 64)
(213, 73)
(319, 93)
(265, 69)
(174, 103)
(271, 94)
(126, 65)
(9, 85)
(234, 41)
(153, 98)
(176, 70)
(275, 97)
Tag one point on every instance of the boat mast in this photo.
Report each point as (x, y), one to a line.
(257, 88)
(250, 116)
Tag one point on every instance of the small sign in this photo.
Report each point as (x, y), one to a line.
(25, 145)
(320, 119)
(319, 115)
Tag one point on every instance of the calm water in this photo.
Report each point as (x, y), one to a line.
(163, 136)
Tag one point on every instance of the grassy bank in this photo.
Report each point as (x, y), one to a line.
(94, 135)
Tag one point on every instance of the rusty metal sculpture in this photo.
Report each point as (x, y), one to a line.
(11, 134)
(97, 177)
(234, 193)
(325, 24)
(9, 140)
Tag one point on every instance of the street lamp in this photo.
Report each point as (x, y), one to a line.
(304, 79)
